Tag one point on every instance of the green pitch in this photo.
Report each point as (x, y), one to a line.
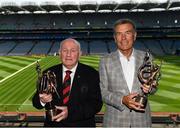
(18, 82)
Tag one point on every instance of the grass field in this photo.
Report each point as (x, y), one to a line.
(18, 79)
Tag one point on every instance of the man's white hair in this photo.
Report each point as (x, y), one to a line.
(70, 39)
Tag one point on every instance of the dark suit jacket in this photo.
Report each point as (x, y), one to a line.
(85, 97)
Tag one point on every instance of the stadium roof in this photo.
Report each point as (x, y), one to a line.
(63, 6)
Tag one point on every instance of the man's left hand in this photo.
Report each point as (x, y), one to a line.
(61, 116)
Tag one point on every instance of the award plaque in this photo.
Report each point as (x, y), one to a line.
(148, 75)
(46, 83)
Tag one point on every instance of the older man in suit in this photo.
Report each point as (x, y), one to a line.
(83, 100)
(119, 82)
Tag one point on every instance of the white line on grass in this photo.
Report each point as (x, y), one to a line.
(23, 104)
(18, 71)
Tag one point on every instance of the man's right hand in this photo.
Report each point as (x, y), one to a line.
(45, 98)
(62, 115)
(130, 102)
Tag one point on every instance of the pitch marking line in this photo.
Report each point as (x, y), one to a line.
(24, 103)
(18, 71)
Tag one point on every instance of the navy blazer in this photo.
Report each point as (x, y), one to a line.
(85, 97)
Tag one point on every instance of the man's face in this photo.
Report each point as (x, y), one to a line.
(124, 36)
(69, 54)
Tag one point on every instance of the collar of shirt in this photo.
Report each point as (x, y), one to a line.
(122, 56)
(72, 70)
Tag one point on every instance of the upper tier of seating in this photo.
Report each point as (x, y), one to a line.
(50, 21)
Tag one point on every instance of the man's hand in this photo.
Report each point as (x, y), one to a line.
(45, 98)
(62, 115)
(129, 101)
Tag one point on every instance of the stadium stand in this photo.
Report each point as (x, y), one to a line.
(6, 47)
(167, 46)
(98, 47)
(140, 45)
(155, 48)
(176, 47)
(22, 48)
(39, 27)
(84, 46)
(54, 47)
(41, 47)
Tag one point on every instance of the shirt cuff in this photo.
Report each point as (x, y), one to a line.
(43, 104)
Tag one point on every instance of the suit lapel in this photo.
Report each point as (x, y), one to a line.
(59, 80)
(138, 62)
(60, 74)
(75, 82)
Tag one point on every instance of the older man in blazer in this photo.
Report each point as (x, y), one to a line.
(119, 82)
(84, 98)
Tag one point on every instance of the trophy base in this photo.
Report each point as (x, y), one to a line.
(142, 99)
(50, 113)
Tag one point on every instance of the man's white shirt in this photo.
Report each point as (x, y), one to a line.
(128, 66)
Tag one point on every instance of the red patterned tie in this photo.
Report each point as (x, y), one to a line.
(66, 87)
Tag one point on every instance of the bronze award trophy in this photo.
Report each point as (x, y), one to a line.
(46, 83)
(148, 75)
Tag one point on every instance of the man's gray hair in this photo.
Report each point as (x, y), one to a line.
(124, 21)
(75, 41)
